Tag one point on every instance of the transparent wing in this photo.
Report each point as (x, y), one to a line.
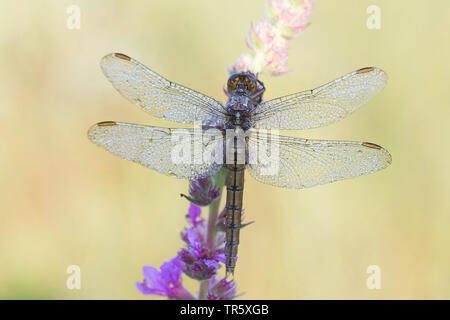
(157, 95)
(165, 150)
(302, 163)
(321, 106)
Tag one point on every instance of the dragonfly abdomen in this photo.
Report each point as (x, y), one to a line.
(235, 191)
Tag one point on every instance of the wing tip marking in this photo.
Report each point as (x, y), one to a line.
(122, 56)
(106, 124)
(386, 154)
(371, 145)
(364, 70)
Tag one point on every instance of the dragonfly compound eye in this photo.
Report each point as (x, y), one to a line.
(232, 83)
(251, 84)
(242, 81)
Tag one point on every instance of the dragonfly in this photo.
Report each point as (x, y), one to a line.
(300, 163)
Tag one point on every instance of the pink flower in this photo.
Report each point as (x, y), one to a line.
(261, 36)
(276, 59)
(242, 64)
(269, 37)
(291, 17)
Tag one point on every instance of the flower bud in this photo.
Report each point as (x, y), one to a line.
(196, 267)
(221, 289)
(202, 192)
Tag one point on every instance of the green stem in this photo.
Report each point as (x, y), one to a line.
(203, 291)
(212, 223)
(213, 214)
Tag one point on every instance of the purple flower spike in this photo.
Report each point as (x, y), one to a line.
(221, 289)
(166, 283)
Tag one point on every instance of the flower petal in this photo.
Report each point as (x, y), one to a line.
(144, 289)
(194, 212)
(153, 279)
(171, 272)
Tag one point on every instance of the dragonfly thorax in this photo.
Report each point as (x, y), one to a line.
(245, 93)
(238, 112)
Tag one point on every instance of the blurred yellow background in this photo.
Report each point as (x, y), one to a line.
(64, 201)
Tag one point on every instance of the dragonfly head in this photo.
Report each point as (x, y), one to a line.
(243, 83)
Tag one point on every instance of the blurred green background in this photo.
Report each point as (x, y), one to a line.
(63, 201)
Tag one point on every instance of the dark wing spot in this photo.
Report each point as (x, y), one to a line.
(364, 70)
(106, 123)
(122, 56)
(371, 145)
